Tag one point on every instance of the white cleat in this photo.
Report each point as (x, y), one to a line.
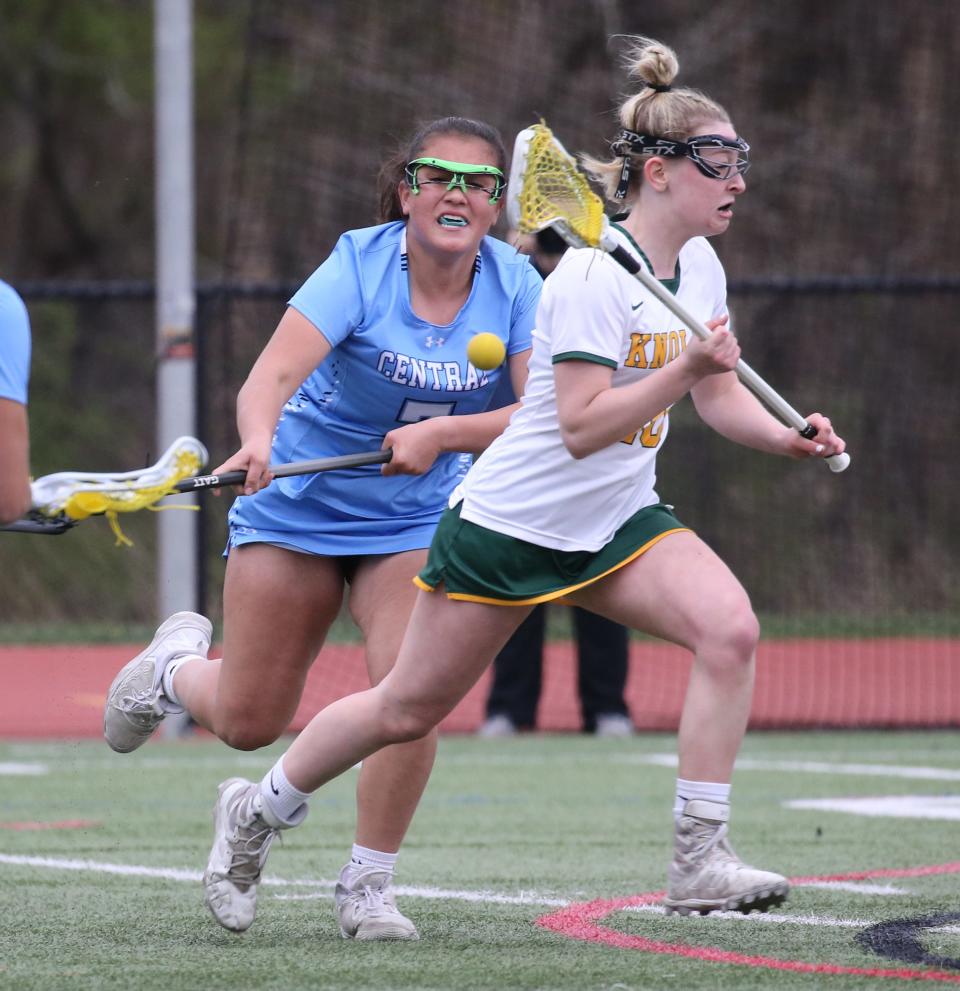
(707, 876)
(366, 908)
(135, 703)
(613, 724)
(243, 831)
(496, 726)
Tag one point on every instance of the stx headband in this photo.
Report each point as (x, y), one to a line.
(458, 173)
(697, 149)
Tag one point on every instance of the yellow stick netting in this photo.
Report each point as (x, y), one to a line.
(132, 496)
(554, 189)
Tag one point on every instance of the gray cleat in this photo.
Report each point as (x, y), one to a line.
(135, 703)
(707, 876)
(243, 831)
(366, 908)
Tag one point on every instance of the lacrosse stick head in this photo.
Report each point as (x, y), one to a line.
(546, 189)
(77, 495)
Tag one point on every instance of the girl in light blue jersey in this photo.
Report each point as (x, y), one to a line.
(371, 353)
(14, 431)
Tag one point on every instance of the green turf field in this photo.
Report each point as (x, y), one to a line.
(914, 623)
(509, 832)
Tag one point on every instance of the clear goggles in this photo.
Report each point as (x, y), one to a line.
(477, 180)
(714, 155)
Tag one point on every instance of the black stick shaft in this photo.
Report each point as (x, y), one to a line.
(39, 525)
(239, 476)
(60, 524)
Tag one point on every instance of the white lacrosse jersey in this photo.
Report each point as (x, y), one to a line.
(527, 484)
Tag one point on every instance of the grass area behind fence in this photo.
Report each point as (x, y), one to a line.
(913, 624)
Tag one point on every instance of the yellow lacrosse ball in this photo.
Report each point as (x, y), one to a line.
(486, 351)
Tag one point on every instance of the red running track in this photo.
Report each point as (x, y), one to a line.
(58, 691)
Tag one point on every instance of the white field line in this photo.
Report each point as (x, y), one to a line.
(176, 874)
(262, 762)
(98, 867)
(809, 767)
(943, 807)
(858, 887)
(441, 894)
(140, 763)
(776, 917)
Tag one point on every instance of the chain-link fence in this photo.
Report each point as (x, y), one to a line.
(842, 260)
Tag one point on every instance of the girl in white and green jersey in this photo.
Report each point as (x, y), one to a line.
(564, 503)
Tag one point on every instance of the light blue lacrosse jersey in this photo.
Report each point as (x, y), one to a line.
(387, 367)
(14, 345)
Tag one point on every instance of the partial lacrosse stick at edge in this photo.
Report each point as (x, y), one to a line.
(61, 500)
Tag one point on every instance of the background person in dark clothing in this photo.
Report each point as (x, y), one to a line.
(602, 645)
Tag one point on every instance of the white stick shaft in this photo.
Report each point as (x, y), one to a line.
(756, 384)
(747, 375)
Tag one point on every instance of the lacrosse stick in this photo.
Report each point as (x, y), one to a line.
(61, 500)
(546, 189)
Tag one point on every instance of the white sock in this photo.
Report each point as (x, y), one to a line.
(361, 857)
(279, 795)
(708, 791)
(166, 682)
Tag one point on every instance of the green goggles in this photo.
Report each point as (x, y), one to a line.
(477, 180)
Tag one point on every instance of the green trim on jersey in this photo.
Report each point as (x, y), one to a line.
(672, 285)
(583, 356)
(476, 564)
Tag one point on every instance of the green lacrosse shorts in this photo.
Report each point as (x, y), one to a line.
(480, 565)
